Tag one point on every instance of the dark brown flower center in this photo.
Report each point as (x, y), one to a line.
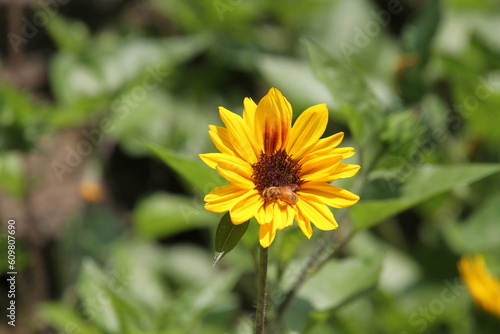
(275, 170)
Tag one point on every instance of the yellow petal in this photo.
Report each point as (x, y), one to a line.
(265, 214)
(211, 159)
(291, 211)
(283, 215)
(246, 207)
(343, 171)
(329, 142)
(267, 233)
(317, 213)
(243, 165)
(273, 119)
(324, 145)
(238, 174)
(249, 113)
(240, 135)
(221, 139)
(307, 130)
(304, 224)
(222, 199)
(329, 194)
(346, 152)
(320, 168)
(482, 285)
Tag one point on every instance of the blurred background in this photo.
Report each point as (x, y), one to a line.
(105, 105)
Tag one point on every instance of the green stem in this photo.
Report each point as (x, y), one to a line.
(260, 317)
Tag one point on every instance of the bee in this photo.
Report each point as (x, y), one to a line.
(285, 193)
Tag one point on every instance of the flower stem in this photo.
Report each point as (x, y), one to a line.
(261, 291)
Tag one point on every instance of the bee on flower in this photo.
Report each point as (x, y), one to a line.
(278, 173)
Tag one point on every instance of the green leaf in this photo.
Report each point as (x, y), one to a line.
(403, 132)
(165, 215)
(161, 118)
(68, 35)
(89, 79)
(135, 275)
(94, 288)
(412, 81)
(295, 79)
(419, 35)
(12, 173)
(480, 232)
(421, 185)
(195, 172)
(19, 120)
(362, 109)
(65, 319)
(227, 236)
(337, 283)
(207, 296)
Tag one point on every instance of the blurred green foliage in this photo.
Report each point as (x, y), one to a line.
(416, 88)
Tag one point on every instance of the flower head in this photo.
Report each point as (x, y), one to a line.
(278, 173)
(483, 287)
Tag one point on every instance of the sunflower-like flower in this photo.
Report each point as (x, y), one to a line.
(278, 173)
(482, 285)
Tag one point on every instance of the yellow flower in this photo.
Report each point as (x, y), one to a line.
(483, 287)
(278, 173)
